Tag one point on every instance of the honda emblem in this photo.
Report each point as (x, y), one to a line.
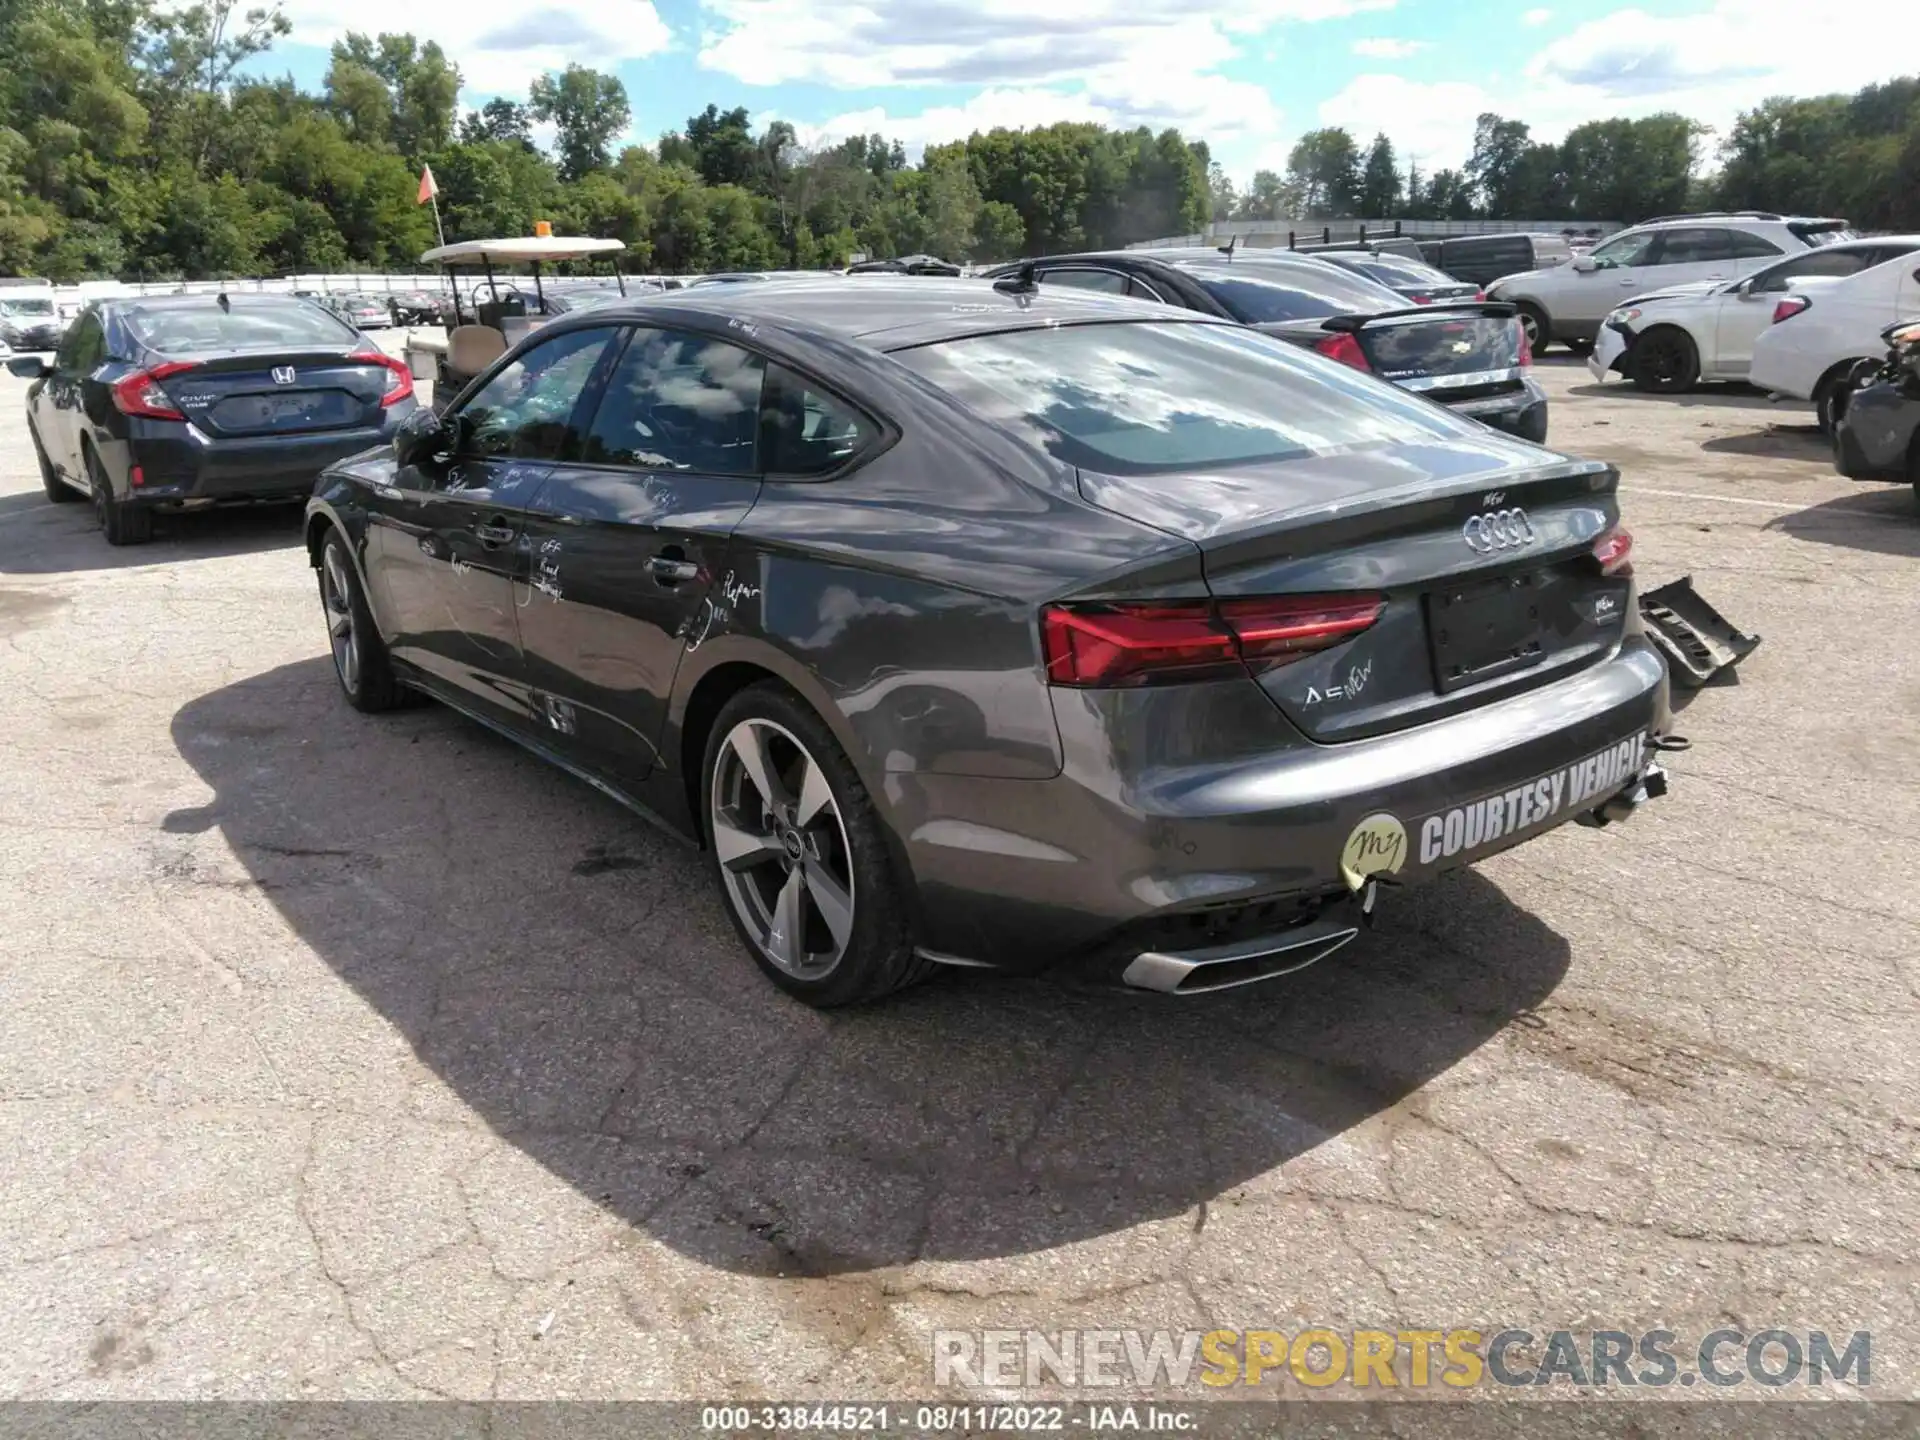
(1498, 530)
(283, 375)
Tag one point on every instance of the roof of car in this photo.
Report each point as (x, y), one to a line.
(907, 310)
(238, 300)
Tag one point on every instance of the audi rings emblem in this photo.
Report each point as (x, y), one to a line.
(1498, 530)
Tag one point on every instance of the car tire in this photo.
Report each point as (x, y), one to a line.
(1665, 361)
(1836, 391)
(1539, 329)
(360, 660)
(58, 491)
(122, 523)
(807, 864)
(1913, 469)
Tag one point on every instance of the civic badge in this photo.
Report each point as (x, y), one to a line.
(283, 374)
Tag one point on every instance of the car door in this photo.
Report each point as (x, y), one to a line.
(60, 414)
(628, 541)
(1742, 312)
(448, 539)
(1689, 254)
(1621, 269)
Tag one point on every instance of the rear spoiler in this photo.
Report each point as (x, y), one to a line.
(1492, 309)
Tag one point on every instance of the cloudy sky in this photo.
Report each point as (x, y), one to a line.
(1249, 76)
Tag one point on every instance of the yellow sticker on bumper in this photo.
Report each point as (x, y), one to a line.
(1377, 846)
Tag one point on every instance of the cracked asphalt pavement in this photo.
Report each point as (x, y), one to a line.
(368, 1057)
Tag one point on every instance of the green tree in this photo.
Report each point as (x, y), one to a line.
(1324, 171)
(498, 119)
(1380, 195)
(587, 109)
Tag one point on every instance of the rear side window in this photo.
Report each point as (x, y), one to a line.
(1254, 293)
(1107, 282)
(177, 330)
(1693, 246)
(1752, 247)
(1145, 397)
(1819, 262)
(807, 430)
(679, 401)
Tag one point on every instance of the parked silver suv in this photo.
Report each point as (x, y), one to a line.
(1568, 302)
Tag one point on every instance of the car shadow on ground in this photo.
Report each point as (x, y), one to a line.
(1884, 519)
(1731, 396)
(1776, 442)
(38, 537)
(569, 975)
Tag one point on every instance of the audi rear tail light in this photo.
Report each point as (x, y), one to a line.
(1525, 358)
(1421, 299)
(1614, 551)
(1343, 347)
(1108, 646)
(399, 376)
(1790, 307)
(139, 394)
(1479, 295)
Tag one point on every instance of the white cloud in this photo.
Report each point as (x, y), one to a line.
(1709, 66)
(1536, 17)
(1007, 43)
(499, 47)
(1382, 48)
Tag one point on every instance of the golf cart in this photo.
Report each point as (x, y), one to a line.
(500, 312)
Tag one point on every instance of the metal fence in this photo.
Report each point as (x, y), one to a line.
(1267, 234)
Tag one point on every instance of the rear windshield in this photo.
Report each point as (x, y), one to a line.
(1136, 398)
(295, 325)
(1254, 292)
(1821, 232)
(1399, 270)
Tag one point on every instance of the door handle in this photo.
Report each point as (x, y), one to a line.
(669, 569)
(495, 532)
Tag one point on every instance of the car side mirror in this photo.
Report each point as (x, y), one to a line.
(1585, 264)
(422, 439)
(29, 367)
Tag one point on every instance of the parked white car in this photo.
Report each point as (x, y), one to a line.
(1672, 339)
(1568, 302)
(1818, 340)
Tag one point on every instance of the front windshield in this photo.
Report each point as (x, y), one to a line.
(24, 307)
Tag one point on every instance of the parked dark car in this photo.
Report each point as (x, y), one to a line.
(981, 625)
(182, 402)
(1414, 279)
(1877, 436)
(1471, 357)
(418, 307)
(1483, 259)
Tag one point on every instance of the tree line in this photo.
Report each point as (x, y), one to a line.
(138, 141)
(1856, 156)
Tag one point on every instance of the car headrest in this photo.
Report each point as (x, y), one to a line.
(471, 348)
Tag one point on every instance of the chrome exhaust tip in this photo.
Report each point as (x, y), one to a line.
(1243, 962)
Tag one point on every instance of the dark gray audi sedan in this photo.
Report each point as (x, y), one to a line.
(968, 623)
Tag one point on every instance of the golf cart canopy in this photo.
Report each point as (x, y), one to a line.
(519, 249)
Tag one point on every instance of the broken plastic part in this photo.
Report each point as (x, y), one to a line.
(1697, 639)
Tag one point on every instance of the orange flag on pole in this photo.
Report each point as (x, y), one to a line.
(428, 189)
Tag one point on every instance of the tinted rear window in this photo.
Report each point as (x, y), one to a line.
(1253, 292)
(1399, 270)
(293, 326)
(1144, 397)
